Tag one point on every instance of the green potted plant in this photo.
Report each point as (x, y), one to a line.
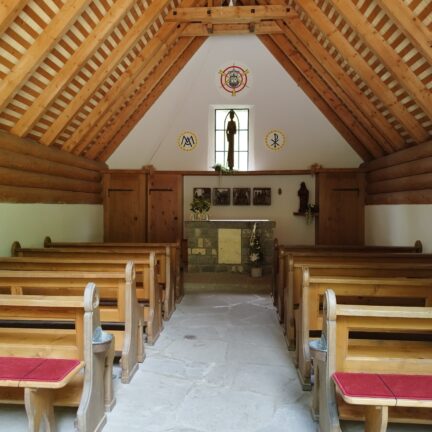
(255, 253)
(311, 211)
(199, 208)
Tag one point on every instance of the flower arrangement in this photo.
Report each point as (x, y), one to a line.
(310, 212)
(255, 248)
(199, 207)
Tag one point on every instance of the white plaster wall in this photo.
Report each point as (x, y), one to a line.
(399, 225)
(276, 101)
(30, 223)
(289, 228)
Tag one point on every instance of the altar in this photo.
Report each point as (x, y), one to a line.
(222, 245)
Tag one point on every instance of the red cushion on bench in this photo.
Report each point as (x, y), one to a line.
(409, 386)
(35, 369)
(16, 368)
(361, 385)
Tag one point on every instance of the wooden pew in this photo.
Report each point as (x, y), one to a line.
(168, 256)
(281, 270)
(352, 290)
(347, 264)
(90, 389)
(405, 347)
(119, 308)
(148, 290)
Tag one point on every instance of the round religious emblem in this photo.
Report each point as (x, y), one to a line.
(234, 79)
(187, 140)
(275, 139)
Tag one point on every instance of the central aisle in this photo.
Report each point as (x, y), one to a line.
(220, 365)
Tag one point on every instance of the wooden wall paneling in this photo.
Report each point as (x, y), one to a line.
(14, 194)
(72, 66)
(388, 57)
(414, 182)
(423, 196)
(14, 177)
(315, 96)
(419, 35)
(148, 85)
(165, 208)
(364, 70)
(125, 207)
(39, 49)
(124, 129)
(341, 208)
(32, 148)
(141, 68)
(105, 69)
(406, 169)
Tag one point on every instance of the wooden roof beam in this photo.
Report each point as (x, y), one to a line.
(316, 81)
(366, 73)
(228, 15)
(29, 62)
(198, 29)
(9, 11)
(148, 86)
(366, 132)
(122, 90)
(387, 55)
(145, 61)
(72, 66)
(377, 124)
(135, 33)
(418, 33)
(151, 99)
(314, 96)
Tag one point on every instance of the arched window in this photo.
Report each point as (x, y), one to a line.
(241, 138)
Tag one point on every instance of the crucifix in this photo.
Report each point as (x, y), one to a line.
(231, 130)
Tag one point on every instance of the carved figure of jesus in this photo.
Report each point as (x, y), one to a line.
(231, 130)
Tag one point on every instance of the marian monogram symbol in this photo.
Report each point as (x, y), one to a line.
(187, 140)
(275, 140)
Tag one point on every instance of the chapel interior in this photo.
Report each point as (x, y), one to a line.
(215, 215)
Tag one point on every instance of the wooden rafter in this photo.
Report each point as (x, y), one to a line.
(39, 49)
(314, 96)
(134, 34)
(150, 100)
(120, 94)
(150, 83)
(364, 70)
(197, 29)
(9, 10)
(388, 138)
(388, 57)
(72, 66)
(334, 104)
(228, 15)
(146, 60)
(372, 139)
(403, 16)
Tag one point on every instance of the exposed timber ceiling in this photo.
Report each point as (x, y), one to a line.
(79, 74)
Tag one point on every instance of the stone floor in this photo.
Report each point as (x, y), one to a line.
(220, 365)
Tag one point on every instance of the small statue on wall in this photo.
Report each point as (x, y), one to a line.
(303, 194)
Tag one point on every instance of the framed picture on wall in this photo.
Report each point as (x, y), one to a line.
(221, 196)
(241, 196)
(202, 192)
(262, 196)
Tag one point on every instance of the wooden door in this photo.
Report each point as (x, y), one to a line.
(124, 207)
(341, 209)
(165, 201)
